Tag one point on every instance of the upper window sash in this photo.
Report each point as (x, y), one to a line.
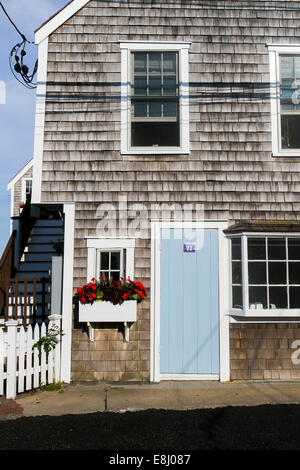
(284, 115)
(167, 111)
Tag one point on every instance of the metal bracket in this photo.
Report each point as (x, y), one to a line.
(91, 333)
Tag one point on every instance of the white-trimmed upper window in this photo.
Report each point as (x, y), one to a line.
(285, 99)
(265, 275)
(155, 98)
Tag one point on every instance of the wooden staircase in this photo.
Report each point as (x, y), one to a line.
(25, 266)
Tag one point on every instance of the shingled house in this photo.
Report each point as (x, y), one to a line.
(167, 134)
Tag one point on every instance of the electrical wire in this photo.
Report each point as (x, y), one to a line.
(16, 59)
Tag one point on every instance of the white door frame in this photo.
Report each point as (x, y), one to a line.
(224, 269)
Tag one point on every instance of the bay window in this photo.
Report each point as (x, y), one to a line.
(265, 275)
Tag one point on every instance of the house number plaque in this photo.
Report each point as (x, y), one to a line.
(189, 248)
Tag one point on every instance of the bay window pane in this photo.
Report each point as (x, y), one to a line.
(256, 248)
(278, 297)
(277, 273)
(237, 297)
(236, 272)
(258, 297)
(294, 248)
(294, 297)
(257, 273)
(276, 248)
(236, 248)
(294, 273)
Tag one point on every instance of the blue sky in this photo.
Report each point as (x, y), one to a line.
(17, 114)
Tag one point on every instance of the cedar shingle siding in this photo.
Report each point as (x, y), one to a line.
(230, 168)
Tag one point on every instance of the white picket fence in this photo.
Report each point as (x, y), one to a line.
(23, 367)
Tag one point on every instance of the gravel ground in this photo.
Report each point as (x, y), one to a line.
(267, 427)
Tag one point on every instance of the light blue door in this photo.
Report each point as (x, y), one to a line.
(189, 303)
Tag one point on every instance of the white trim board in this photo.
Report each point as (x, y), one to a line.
(67, 300)
(59, 19)
(224, 320)
(39, 122)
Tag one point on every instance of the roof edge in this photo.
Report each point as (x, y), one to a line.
(20, 174)
(58, 19)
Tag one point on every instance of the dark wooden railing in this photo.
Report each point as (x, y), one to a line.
(20, 298)
(6, 273)
(27, 300)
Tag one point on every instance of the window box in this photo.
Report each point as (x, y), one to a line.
(107, 312)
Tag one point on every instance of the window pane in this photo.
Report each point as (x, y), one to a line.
(170, 86)
(278, 297)
(170, 109)
(236, 248)
(258, 297)
(256, 248)
(140, 62)
(290, 135)
(140, 109)
(146, 134)
(286, 66)
(297, 66)
(277, 273)
(294, 273)
(104, 273)
(155, 109)
(140, 86)
(155, 62)
(294, 248)
(257, 273)
(237, 297)
(155, 86)
(115, 260)
(115, 275)
(170, 62)
(276, 248)
(294, 297)
(104, 260)
(236, 272)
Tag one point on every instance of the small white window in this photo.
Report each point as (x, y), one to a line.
(112, 257)
(285, 99)
(155, 98)
(26, 189)
(111, 263)
(265, 275)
